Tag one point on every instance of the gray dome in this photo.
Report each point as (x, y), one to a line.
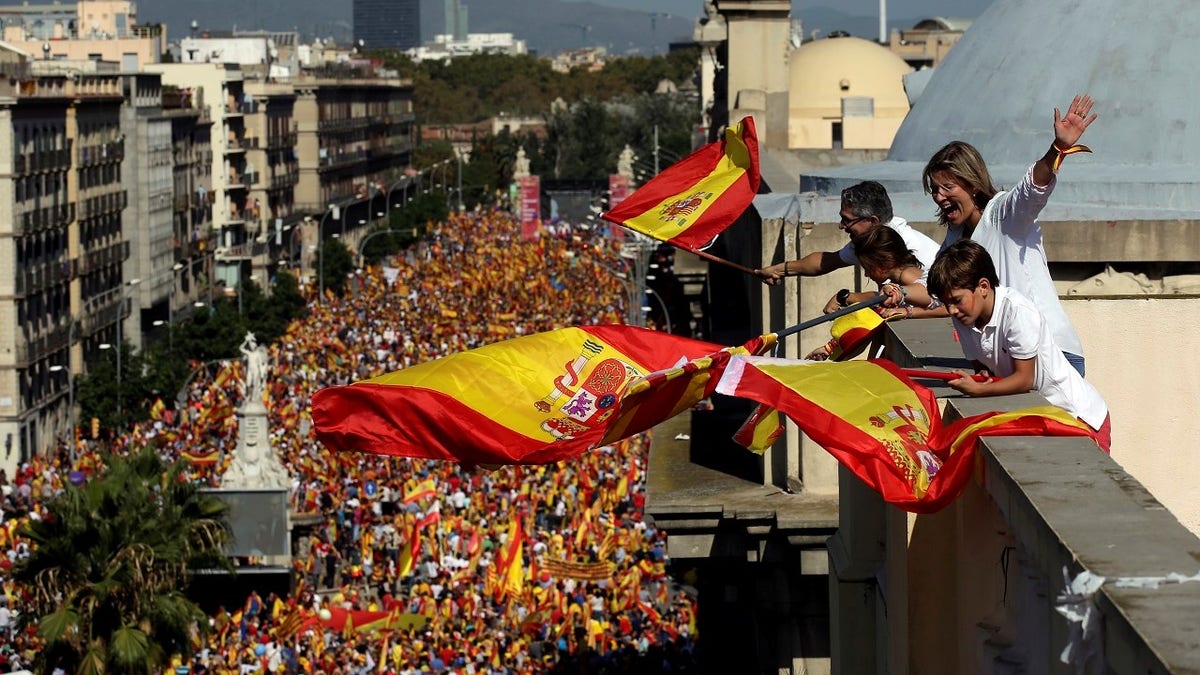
(999, 85)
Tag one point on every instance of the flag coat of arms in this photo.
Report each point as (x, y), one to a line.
(693, 200)
(882, 426)
(530, 400)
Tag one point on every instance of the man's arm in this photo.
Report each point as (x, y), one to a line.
(812, 265)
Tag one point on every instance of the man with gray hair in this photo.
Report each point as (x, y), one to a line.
(864, 206)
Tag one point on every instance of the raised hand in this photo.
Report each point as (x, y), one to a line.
(1068, 128)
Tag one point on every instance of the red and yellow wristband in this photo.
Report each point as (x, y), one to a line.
(1058, 159)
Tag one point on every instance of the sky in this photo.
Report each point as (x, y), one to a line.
(896, 8)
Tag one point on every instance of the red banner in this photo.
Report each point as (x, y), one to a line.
(530, 190)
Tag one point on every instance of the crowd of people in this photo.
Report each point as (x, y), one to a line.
(409, 566)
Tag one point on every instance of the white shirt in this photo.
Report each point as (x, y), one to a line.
(923, 247)
(1017, 330)
(1010, 232)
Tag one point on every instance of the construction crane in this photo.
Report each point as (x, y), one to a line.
(583, 32)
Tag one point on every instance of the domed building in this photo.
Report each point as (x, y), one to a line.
(845, 92)
(1000, 96)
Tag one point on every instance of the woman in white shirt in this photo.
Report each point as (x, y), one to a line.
(1005, 222)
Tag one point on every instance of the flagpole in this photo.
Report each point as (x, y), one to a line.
(945, 375)
(721, 261)
(878, 299)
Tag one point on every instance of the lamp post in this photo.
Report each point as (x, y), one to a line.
(70, 402)
(387, 197)
(129, 287)
(320, 255)
(663, 305)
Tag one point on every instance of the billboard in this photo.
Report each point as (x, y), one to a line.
(530, 189)
(618, 190)
(259, 519)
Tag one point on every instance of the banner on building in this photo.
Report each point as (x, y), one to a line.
(530, 188)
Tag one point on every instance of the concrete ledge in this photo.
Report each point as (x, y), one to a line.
(708, 513)
(1071, 506)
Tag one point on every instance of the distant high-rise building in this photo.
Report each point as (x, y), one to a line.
(387, 24)
(456, 20)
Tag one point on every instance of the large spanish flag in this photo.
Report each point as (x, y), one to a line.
(531, 400)
(882, 426)
(691, 202)
(665, 393)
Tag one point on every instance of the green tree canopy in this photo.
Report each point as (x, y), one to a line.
(110, 562)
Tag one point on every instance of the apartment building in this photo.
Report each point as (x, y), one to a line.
(61, 244)
(235, 220)
(353, 135)
(104, 30)
(274, 169)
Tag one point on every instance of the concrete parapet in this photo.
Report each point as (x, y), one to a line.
(977, 586)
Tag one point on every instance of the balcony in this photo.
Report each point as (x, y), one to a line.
(102, 153)
(37, 277)
(343, 159)
(283, 180)
(102, 310)
(44, 218)
(346, 124)
(110, 203)
(94, 259)
(246, 251)
(40, 346)
(281, 141)
(43, 160)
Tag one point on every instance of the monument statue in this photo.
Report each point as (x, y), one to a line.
(255, 464)
(520, 164)
(625, 162)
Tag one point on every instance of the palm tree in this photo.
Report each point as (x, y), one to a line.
(109, 564)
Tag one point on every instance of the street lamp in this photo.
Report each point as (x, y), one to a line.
(129, 287)
(666, 312)
(70, 401)
(320, 249)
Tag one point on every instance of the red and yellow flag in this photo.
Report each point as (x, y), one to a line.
(531, 400)
(426, 489)
(691, 202)
(882, 426)
(665, 393)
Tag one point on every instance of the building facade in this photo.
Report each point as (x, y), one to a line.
(61, 244)
(88, 29)
(387, 24)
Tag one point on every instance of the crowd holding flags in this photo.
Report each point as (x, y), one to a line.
(535, 566)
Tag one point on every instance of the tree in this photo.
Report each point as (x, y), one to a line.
(110, 562)
(336, 264)
(115, 401)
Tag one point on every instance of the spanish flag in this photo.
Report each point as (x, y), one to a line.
(200, 457)
(665, 393)
(691, 202)
(511, 560)
(537, 399)
(426, 489)
(882, 426)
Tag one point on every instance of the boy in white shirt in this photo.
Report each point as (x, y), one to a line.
(1003, 331)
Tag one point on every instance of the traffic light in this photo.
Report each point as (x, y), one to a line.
(95, 428)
